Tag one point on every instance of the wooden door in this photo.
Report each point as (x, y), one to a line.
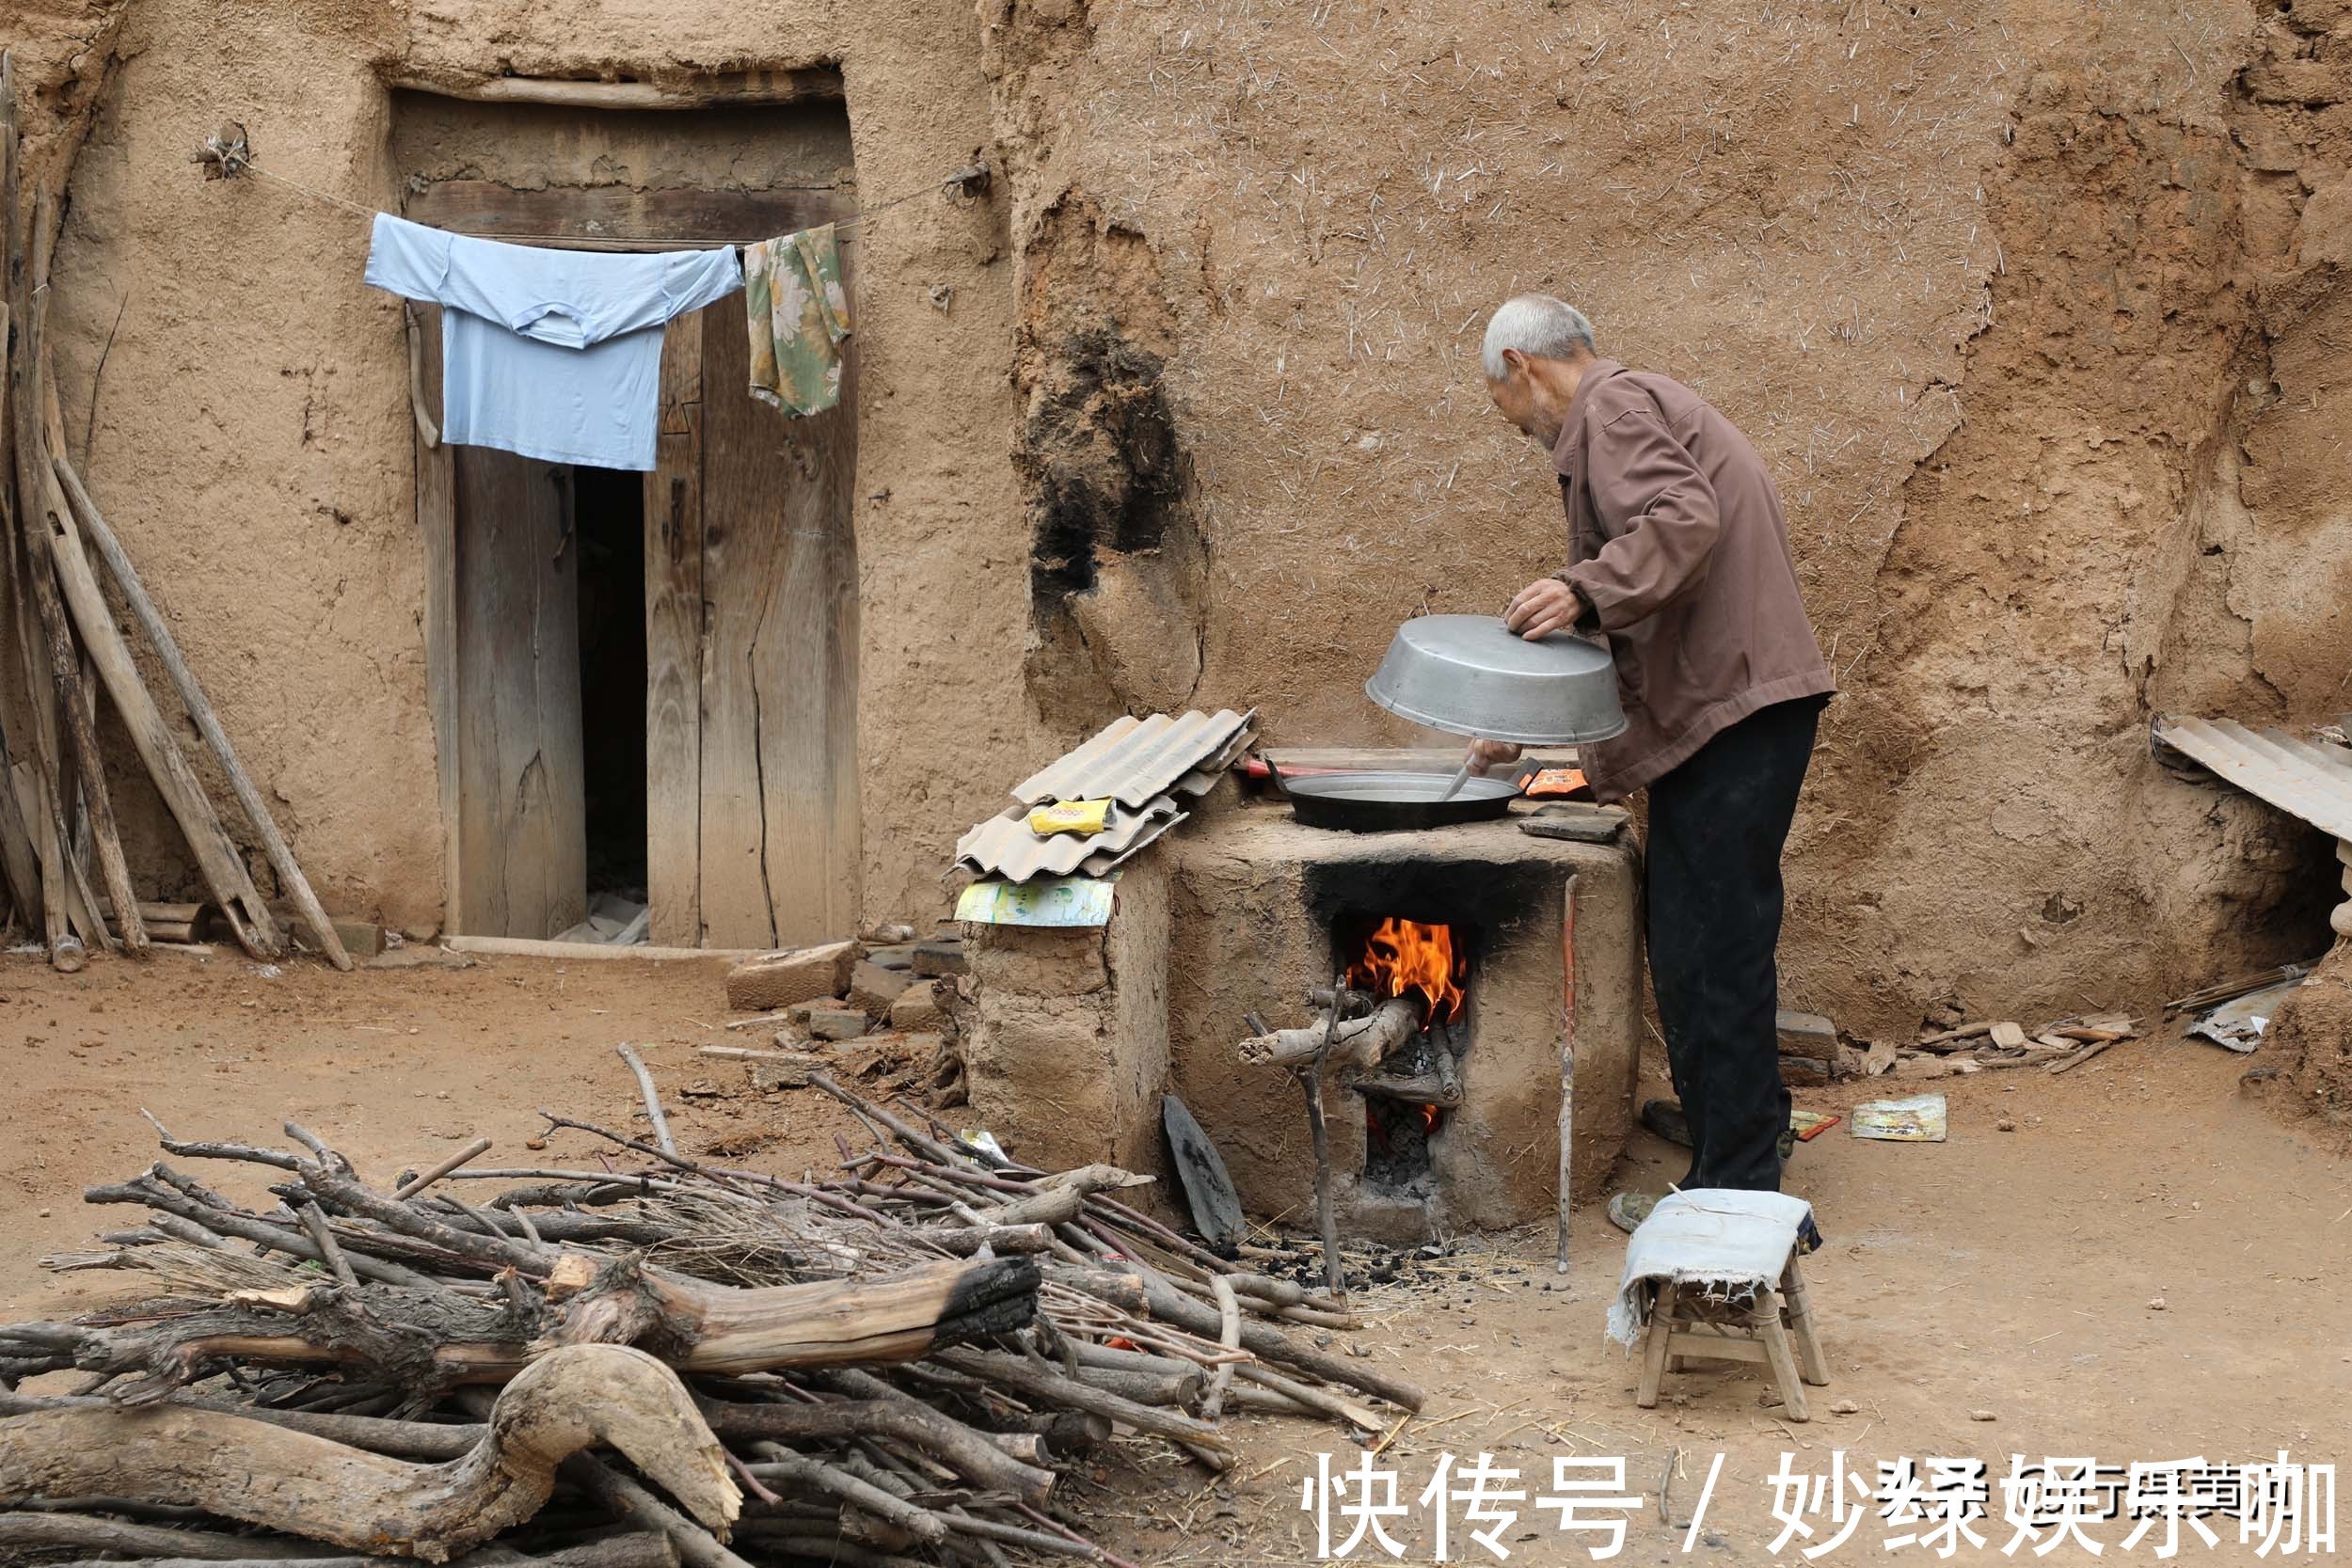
(751, 650)
(503, 651)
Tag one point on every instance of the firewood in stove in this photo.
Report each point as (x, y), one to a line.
(1357, 1042)
(1428, 1088)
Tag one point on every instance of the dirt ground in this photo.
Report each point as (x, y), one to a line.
(2016, 1273)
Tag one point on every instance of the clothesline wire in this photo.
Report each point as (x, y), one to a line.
(247, 165)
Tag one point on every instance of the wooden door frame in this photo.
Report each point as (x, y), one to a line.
(603, 217)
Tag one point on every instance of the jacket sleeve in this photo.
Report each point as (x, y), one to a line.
(1661, 516)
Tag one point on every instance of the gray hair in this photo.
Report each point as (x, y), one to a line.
(1540, 327)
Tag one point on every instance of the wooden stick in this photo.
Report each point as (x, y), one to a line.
(1229, 1335)
(314, 1220)
(1567, 1065)
(1313, 1398)
(881, 1411)
(1327, 1219)
(85, 1533)
(1355, 1042)
(1271, 1344)
(2079, 1058)
(1950, 1036)
(473, 1152)
(653, 1100)
(208, 725)
(1026, 1377)
(697, 1546)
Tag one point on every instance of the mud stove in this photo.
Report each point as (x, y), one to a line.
(1454, 932)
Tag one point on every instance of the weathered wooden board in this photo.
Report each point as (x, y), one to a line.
(674, 646)
(522, 817)
(617, 214)
(779, 796)
(436, 530)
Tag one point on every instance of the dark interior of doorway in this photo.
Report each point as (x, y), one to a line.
(609, 520)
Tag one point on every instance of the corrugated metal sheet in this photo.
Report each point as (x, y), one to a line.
(1005, 846)
(2310, 779)
(1135, 759)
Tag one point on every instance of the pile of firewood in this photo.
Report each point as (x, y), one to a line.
(2058, 1047)
(61, 861)
(892, 1362)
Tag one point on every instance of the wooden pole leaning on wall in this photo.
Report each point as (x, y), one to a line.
(75, 758)
(150, 620)
(21, 861)
(216, 857)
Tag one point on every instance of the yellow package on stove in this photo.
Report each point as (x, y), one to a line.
(1070, 816)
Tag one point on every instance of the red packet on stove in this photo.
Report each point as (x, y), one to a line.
(1558, 783)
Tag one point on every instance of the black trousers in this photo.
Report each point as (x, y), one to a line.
(1717, 825)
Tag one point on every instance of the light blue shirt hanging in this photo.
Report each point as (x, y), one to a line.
(552, 354)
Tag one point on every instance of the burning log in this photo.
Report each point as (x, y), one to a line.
(1357, 1042)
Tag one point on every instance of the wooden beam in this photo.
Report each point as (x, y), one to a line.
(745, 89)
(437, 531)
(674, 645)
(523, 947)
(621, 215)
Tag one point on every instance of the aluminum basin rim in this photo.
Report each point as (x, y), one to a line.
(1517, 737)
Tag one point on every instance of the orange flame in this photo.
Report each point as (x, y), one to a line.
(1430, 1117)
(1403, 956)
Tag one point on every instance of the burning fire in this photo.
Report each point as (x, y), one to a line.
(1403, 956)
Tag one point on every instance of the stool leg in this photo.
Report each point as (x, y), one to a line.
(1783, 1362)
(1799, 1313)
(1661, 1327)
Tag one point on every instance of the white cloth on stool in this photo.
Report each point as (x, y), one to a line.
(1714, 1237)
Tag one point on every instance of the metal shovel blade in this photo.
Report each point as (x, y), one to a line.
(1208, 1190)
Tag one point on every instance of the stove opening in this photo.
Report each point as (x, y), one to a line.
(1406, 1099)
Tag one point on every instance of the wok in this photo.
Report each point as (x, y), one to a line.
(1381, 802)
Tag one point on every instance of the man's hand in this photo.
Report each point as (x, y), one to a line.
(1542, 607)
(1487, 753)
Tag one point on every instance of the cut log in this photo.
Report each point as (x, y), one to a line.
(1358, 1042)
(570, 1399)
(720, 1329)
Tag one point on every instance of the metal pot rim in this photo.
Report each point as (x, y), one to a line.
(1517, 737)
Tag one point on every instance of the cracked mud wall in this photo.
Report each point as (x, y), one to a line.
(2029, 308)
(2032, 308)
(250, 437)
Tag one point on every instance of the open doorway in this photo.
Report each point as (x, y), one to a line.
(643, 684)
(609, 530)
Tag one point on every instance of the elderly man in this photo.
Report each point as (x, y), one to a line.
(1679, 556)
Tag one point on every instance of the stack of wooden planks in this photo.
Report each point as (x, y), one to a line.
(60, 848)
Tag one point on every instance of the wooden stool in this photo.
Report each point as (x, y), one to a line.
(1775, 1328)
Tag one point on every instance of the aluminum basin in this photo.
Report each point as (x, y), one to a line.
(1468, 674)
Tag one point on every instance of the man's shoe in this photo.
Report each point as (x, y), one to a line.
(1626, 1211)
(1665, 1119)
